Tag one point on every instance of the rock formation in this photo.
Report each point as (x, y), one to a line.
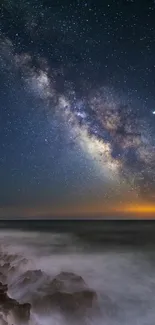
(9, 306)
(67, 292)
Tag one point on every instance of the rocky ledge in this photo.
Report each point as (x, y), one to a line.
(10, 307)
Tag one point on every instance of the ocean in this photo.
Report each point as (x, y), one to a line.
(115, 260)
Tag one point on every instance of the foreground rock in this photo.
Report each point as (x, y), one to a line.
(30, 277)
(11, 308)
(67, 281)
(67, 292)
(3, 277)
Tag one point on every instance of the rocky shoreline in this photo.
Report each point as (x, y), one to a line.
(67, 293)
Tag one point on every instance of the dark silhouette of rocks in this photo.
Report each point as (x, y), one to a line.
(3, 277)
(30, 276)
(67, 281)
(67, 292)
(20, 312)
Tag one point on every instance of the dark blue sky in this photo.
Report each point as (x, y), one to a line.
(76, 101)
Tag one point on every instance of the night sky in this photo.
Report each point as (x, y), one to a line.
(77, 108)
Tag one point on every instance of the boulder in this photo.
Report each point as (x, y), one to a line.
(69, 302)
(20, 312)
(67, 292)
(33, 274)
(30, 277)
(67, 281)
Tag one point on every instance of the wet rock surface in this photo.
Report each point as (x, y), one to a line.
(67, 292)
(30, 276)
(67, 281)
(9, 306)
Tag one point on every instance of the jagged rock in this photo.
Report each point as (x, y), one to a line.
(31, 276)
(67, 281)
(20, 312)
(3, 289)
(70, 302)
(3, 277)
(69, 293)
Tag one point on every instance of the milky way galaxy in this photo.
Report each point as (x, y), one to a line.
(109, 127)
(104, 125)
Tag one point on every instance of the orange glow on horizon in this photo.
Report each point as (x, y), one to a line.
(93, 209)
(142, 209)
(133, 210)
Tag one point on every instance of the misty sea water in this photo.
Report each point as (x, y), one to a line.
(115, 259)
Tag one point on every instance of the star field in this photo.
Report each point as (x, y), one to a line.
(77, 105)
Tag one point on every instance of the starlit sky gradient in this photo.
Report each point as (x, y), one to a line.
(77, 108)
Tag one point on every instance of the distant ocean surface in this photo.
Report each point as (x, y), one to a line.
(116, 259)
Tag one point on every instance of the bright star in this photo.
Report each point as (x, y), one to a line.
(153, 112)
